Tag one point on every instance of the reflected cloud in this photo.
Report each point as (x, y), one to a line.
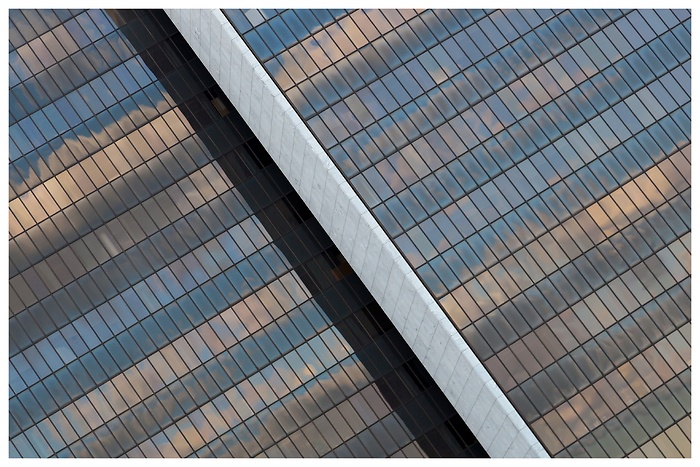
(80, 141)
(51, 191)
(326, 47)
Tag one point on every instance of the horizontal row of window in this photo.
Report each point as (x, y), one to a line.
(535, 131)
(521, 317)
(82, 132)
(286, 27)
(575, 321)
(652, 416)
(582, 362)
(528, 238)
(124, 195)
(673, 442)
(185, 273)
(498, 243)
(82, 109)
(80, 105)
(25, 25)
(620, 388)
(102, 256)
(421, 73)
(82, 65)
(113, 200)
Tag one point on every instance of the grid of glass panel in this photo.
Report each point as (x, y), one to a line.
(170, 294)
(533, 166)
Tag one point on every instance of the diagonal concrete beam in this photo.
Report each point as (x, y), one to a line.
(358, 235)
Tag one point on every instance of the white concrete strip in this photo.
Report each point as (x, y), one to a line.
(358, 235)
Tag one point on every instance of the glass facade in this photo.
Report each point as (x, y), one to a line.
(170, 294)
(533, 167)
